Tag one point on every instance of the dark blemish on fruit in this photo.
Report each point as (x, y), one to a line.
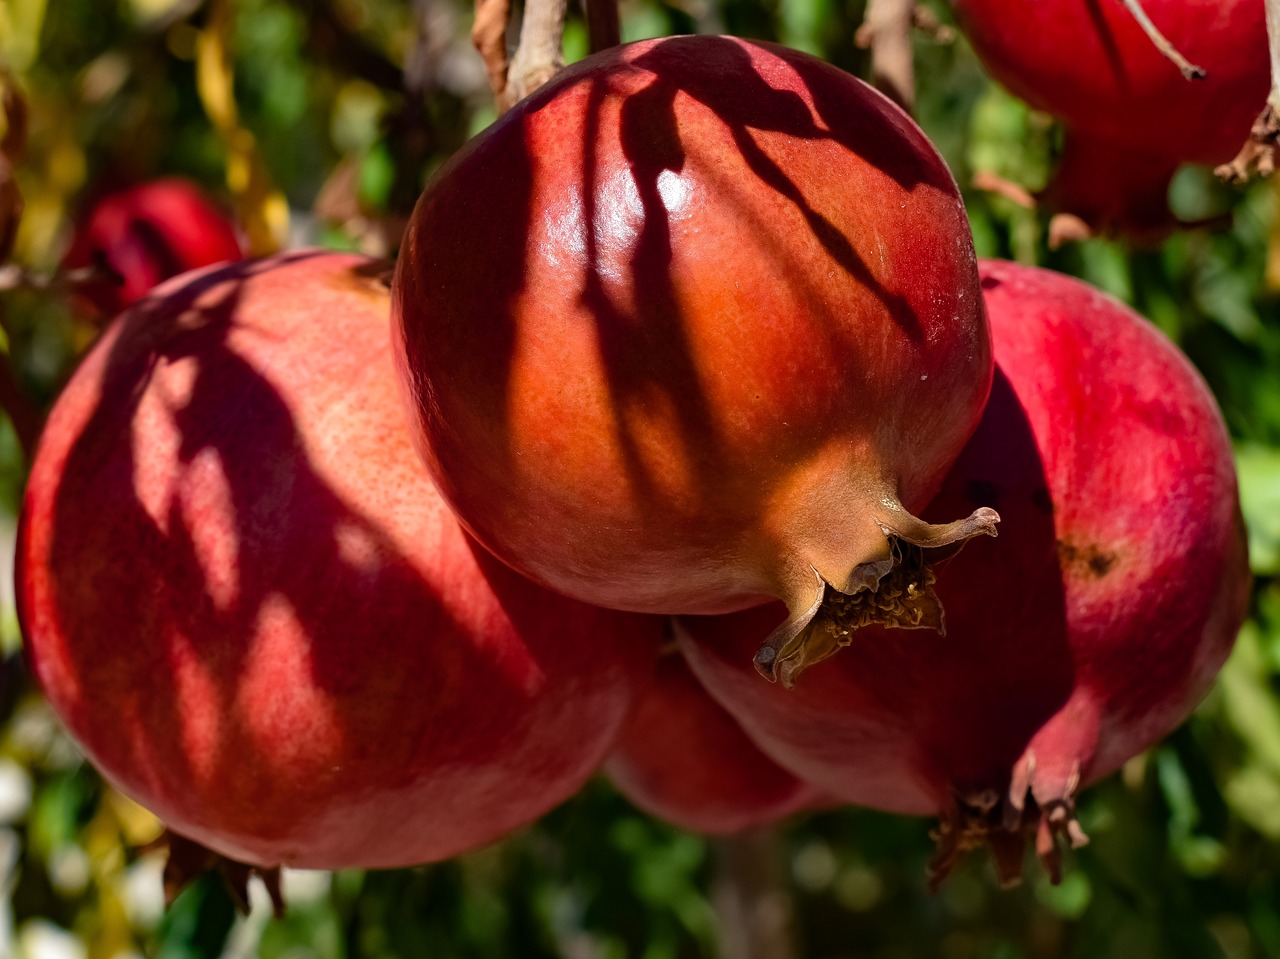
(1088, 558)
(990, 283)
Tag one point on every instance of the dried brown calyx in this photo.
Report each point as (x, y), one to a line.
(895, 592)
(188, 860)
(1004, 825)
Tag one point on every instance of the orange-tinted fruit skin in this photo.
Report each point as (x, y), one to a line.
(682, 318)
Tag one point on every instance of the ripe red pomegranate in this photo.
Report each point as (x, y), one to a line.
(245, 601)
(146, 234)
(684, 759)
(1087, 632)
(1131, 116)
(694, 327)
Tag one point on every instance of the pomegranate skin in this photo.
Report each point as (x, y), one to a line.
(147, 234)
(695, 320)
(1087, 632)
(245, 601)
(682, 758)
(1090, 64)
(1131, 117)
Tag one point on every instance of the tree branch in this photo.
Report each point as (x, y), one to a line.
(1258, 153)
(751, 898)
(489, 35)
(604, 27)
(24, 416)
(336, 42)
(1189, 69)
(886, 30)
(540, 55)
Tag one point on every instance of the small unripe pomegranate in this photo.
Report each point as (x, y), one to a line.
(244, 599)
(1085, 633)
(693, 327)
(146, 234)
(1131, 116)
(682, 758)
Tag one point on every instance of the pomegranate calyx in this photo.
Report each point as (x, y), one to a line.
(1003, 825)
(895, 591)
(188, 860)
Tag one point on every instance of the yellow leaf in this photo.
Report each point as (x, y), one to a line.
(215, 78)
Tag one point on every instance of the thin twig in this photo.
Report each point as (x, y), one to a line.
(540, 55)
(988, 181)
(927, 22)
(15, 277)
(1189, 69)
(1258, 155)
(604, 27)
(489, 34)
(886, 30)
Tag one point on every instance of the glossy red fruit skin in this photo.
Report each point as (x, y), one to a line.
(682, 758)
(250, 609)
(688, 323)
(147, 234)
(1090, 64)
(1082, 635)
(1131, 117)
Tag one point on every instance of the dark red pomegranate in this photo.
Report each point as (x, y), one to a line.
(244, 599)
(1132, 118)
(684, 759)
(694, 327)
(1084, 634)
(146, 234)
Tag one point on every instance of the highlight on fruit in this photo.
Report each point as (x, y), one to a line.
(712, 332)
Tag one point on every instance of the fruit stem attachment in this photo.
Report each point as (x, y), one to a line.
(894, 591)
(1188, 69)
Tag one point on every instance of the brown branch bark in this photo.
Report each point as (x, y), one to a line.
(886, 30)
(540, 55)
(1188, 69)
(604, 25)
(489, 34)
(1258, 155)
(752, 899)
(335, 42)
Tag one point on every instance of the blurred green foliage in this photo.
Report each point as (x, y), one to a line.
(1185, 859)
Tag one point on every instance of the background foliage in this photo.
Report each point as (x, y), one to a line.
(319, 122)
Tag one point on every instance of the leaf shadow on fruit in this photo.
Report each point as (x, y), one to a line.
(278, 647)
(632, 294)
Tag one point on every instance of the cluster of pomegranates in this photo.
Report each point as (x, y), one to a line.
(719, 413)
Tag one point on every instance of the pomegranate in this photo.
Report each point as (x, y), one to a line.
(146, 234)
(684, 759)
(1131, 116)
(1086, 633)
(694, 327)
(245, 601)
